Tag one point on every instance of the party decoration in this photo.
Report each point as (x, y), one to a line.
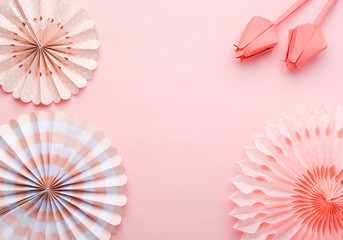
(59, 179)
(48, 49)
(307, 40)
(291, 183)
(261, 35)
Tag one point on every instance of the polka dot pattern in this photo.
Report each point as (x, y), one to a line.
(48, 49)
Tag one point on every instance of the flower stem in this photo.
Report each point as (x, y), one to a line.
(324, 12)
(289, 12)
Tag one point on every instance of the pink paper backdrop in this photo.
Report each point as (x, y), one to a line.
(179, 107)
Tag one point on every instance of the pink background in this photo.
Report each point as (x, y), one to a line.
(179, 107)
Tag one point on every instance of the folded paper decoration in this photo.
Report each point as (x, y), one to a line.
(261, 35)
(48, 49)
(59, 179)
(291, 183)
(307, 40)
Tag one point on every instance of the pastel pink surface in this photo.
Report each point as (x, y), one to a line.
(179, 107)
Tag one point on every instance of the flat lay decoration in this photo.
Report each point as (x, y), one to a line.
(307, 40)
(48, 49)
(261, 35)
(290, 186)
(59, 179)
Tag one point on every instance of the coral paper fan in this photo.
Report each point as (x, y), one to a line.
(59, 179)
(291, 182)
(48, 49)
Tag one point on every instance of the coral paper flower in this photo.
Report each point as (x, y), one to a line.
(261, 35)
(291, 185)
(307, 40)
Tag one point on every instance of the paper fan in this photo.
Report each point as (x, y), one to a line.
(59, 179)
(291, 185)
(48, 49)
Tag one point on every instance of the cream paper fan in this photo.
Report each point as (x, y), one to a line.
(59, 179)
(291, 183)
(48, 49)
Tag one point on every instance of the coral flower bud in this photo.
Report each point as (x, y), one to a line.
(305, 42)
(259, 36)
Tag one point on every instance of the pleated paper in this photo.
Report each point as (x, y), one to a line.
(48, 49)
(291, 183)
(59, 179)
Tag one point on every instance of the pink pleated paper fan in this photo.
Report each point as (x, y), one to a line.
(48, 49)
(291, 183)
(59, 179)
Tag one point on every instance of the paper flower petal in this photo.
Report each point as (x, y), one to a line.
(59, 179)
(291, 184)
(48, 49)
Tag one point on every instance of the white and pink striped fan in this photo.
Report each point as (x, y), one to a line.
(59, 179)
(48, 49)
